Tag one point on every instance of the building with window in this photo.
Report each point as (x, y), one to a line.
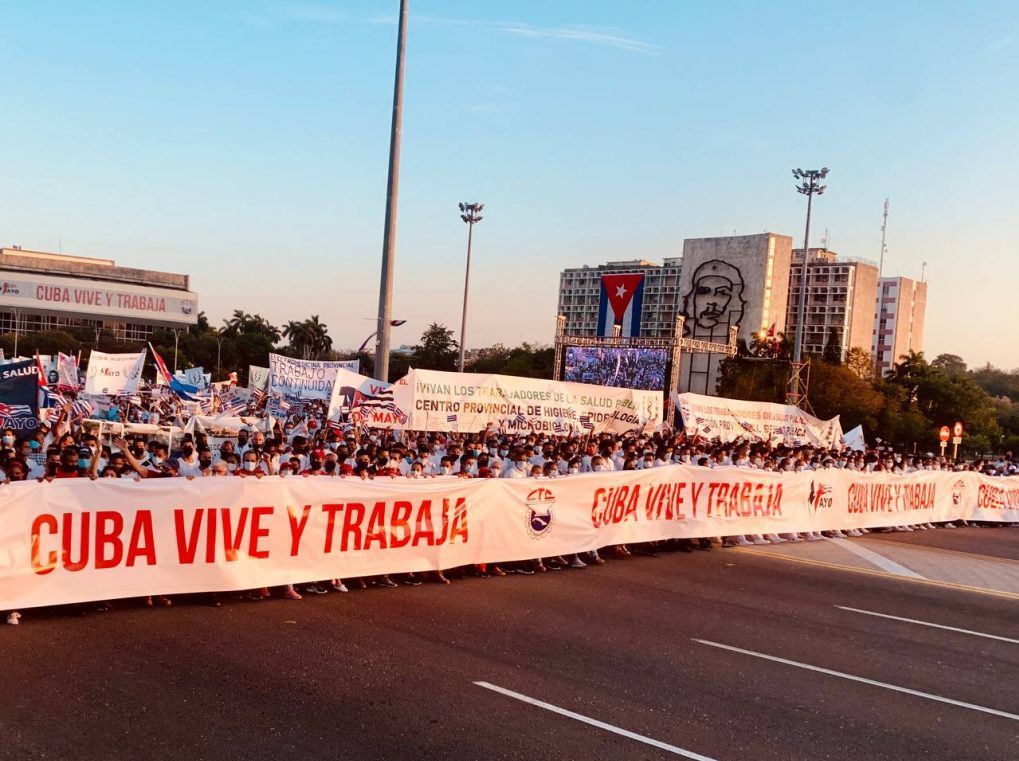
(898, 327)
(44, 291)
(840, 296)
(651, 291)
(739, 281)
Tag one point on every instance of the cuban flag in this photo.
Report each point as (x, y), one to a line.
(622, 297)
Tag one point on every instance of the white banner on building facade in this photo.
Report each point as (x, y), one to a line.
(74, 540)
(441, 401)
(113, 374)
(78, 296)
(305, 379)
(721, 419)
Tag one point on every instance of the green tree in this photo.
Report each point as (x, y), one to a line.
(438, 349)
(860, 362)
(308, 339)
(832, 353)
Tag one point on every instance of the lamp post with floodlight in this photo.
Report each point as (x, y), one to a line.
(470, 213)
(809, 186)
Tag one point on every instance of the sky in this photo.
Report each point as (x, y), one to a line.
(246, 144)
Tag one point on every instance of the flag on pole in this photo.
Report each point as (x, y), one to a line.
(180, 389)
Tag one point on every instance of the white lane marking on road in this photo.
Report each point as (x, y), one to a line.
(594, 722)
(885, 564)
(928, 623)
(862, 680)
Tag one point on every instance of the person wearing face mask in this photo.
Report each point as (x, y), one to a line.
(468, 466)
(518, 466)
(445, 467)
(188, 462)
(315, 462)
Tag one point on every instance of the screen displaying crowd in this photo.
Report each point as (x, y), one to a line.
(618, 367)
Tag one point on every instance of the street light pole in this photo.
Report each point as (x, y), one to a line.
(809, 187)
(471, 214)
(392, 193)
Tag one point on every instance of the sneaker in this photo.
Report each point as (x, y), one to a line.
(838, 534)
(598, 560)
(315, 589)
(496, 571)
(412, 581)
(854, 532)
(14, 618)
(813, 536)
(742, 541)
(949, 525)
(760, 540)
(775, 539)
(794, 538)
(577, 563)
(292, 594)
(386, 583)
(525, 571)
(339, 586)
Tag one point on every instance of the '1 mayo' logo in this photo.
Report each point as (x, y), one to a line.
(820, 497)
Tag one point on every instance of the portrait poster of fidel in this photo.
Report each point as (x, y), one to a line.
(75, 540)
(19, 396)
(304, 379)
(443, 401)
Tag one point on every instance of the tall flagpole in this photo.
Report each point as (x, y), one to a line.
(392, 191)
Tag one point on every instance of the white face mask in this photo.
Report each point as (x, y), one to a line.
(231, 467)
(158, 460)
(574, 470)
(8, 439)
(250, 466)
(446, 470)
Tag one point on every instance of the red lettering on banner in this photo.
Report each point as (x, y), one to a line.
(696, 490)
(459, 521)
(401, 520)
(330, 511)
(424, 531)
(258, 532)
(142, 530)
(352, 518)
(376, 530)
(82, 561)
(50, 523)
(109, 538)
(232, 538)
(297, 527)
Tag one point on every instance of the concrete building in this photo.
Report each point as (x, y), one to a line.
(898, 327)
(581, 296)
(43, 291)
(740, 280)
(841, 293)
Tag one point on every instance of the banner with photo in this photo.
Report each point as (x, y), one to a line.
(75, 540)
(469, 402)
(113, 374)
(364, 401)
(716, 418)
(305, 379)
(19, 396)
(257, 377)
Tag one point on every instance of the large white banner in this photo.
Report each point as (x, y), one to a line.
(220, 428)
(144, 303)
(305, 379)
(73, 540)
(718, 418)
(113, 374)
(441, 401)
(364, 401)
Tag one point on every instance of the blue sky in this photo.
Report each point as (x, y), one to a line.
(246, 144)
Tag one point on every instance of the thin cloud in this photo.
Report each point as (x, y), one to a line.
(324, 14)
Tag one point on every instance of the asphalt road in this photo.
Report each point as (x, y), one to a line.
(390, 674)
(998, 542)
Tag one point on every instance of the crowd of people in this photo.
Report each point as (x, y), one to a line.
(303, 446)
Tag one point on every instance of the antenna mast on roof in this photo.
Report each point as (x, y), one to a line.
(884, 227)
